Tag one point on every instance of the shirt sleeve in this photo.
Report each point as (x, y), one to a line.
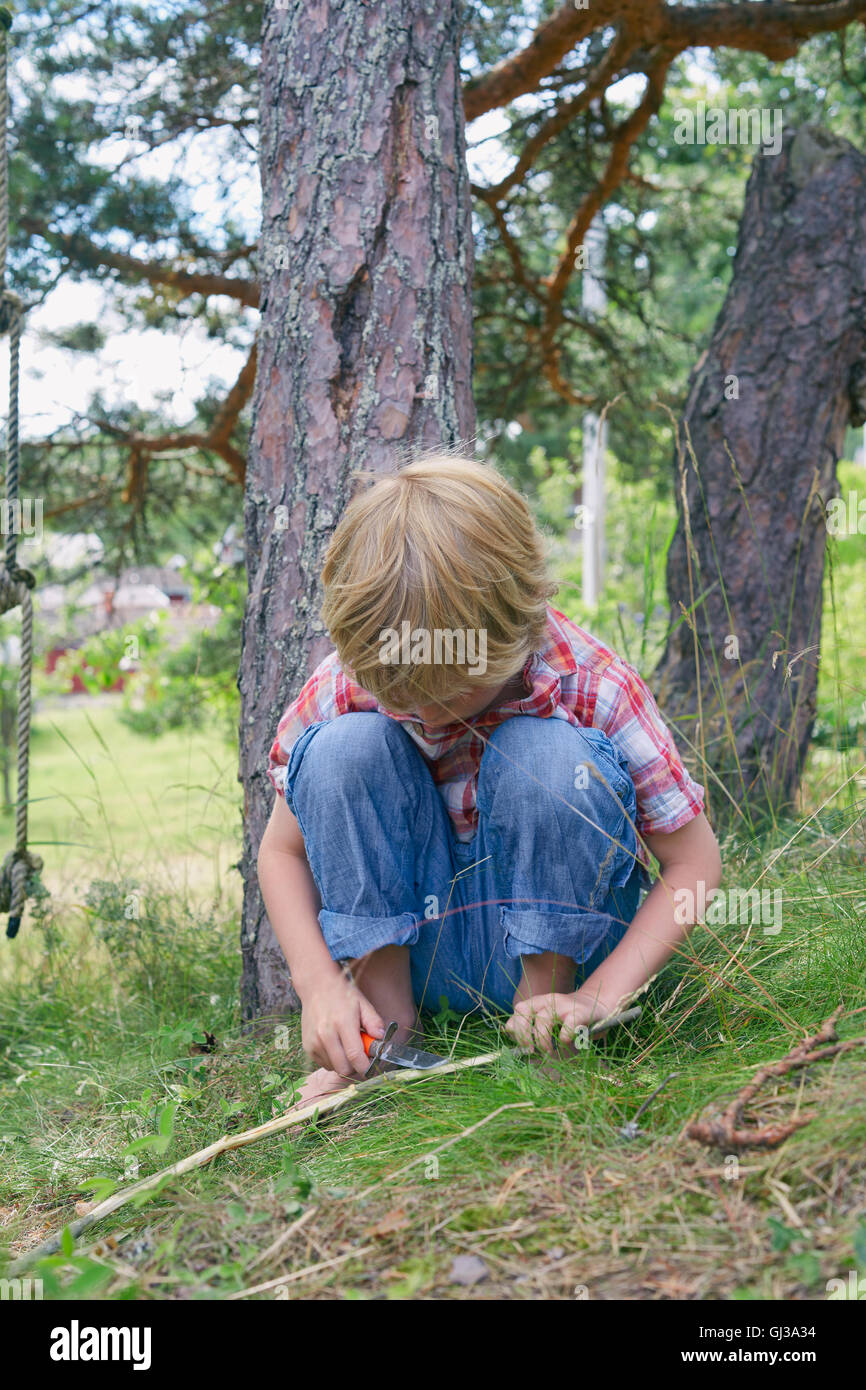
(316, 701)
(667, 796)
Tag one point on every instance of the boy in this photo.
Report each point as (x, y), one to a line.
(469, 787)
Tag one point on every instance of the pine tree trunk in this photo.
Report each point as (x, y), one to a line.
(365, 342)
(764, 424)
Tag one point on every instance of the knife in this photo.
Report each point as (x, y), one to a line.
(395, 1054)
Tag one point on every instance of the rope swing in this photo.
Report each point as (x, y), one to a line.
(16, 584)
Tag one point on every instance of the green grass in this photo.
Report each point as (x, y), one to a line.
(843, 640)
(99, 1025)
(107, 801)
(108, 994)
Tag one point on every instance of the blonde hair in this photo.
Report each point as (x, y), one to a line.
(443, 544)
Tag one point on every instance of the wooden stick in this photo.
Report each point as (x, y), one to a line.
(293, 1116)
(729, 1131)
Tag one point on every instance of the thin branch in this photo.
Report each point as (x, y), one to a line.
(293, 1116)
(521, 274)
(728, 1131)
(605, 73)
(624, 138)
(776, 30)
(89, 255)
(64, 507)
(217, 438)
(550, 43)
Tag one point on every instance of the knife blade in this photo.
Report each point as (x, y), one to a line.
(396, 1054)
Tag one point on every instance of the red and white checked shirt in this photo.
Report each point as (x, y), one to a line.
(573, 676)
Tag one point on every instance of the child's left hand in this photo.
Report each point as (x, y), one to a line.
(535, 1021)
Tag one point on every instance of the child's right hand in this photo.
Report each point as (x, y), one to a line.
(333, 1017)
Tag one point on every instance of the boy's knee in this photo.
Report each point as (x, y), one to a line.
(542, 764)
(350, 746)
(344, 761)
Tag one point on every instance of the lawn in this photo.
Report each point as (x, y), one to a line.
(122, 1050)
(106, 801)
(523, 1169)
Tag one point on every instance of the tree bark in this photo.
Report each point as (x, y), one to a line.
(365, 342)
(763, 428)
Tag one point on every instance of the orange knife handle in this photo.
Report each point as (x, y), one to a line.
(367, 1039)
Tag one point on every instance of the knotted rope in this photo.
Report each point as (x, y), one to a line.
(15, 583)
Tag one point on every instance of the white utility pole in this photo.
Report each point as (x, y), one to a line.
(591, 517)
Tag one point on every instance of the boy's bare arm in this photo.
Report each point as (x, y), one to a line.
(687, 857)
(292, 899)
(333, 1008)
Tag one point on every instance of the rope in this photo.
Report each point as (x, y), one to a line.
(5, 26)
(16, 583)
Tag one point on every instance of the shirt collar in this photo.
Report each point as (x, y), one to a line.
(543, 688)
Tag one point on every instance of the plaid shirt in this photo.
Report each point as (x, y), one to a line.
(573, 677)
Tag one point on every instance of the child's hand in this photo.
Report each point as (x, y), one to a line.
(333, 1016)
(544, 1019)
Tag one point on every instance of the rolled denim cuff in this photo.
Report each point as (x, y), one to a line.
(347, 936)
(528, 932)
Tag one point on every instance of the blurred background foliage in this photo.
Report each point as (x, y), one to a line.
(134, 171)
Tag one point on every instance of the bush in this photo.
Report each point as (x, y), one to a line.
(197, 682)
(155, 939)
